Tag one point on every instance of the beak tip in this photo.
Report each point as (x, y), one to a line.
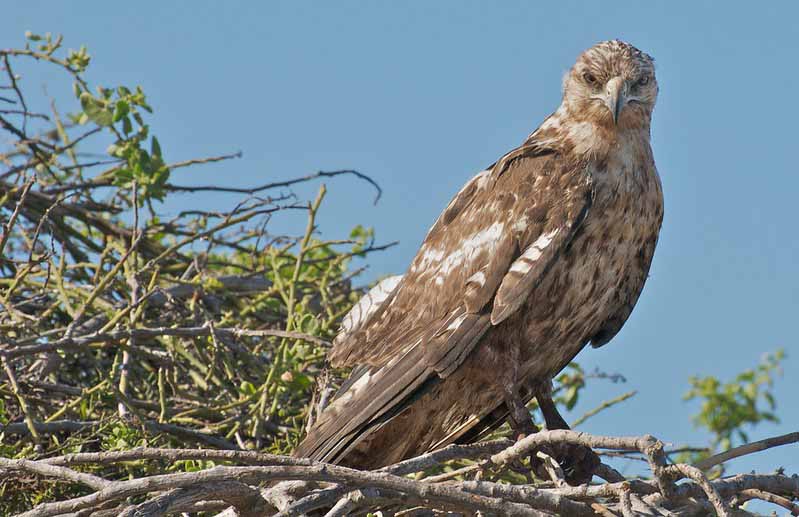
(615, 98)
(615, 107)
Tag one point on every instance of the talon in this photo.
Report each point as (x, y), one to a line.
(578, 463)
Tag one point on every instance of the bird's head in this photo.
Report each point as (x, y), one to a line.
(612, 86)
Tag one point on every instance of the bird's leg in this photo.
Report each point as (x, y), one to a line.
(577, 461)
(543, 395)
(521, 421)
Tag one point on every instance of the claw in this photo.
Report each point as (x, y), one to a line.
(578, 463)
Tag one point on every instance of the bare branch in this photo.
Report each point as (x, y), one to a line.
(749, 448)
(278, 184)
(71, 343)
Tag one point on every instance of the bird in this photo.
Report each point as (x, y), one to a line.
(538, 255)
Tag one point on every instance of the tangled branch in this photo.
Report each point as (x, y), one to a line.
(236, 478)
(122, 326)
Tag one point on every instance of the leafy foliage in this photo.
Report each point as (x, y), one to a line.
(728, 409)
(233, 318)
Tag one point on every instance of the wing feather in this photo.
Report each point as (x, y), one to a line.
(370, 401)
(530, 267)
(478, 263)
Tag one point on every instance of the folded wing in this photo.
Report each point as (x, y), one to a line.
(480, 261)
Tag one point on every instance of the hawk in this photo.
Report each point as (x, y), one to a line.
(543, 252)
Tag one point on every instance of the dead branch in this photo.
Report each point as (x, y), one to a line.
(748, 448)
(354, 490)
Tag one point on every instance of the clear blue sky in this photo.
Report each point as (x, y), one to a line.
(421, 95)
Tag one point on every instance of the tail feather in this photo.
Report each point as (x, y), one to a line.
(369, 402)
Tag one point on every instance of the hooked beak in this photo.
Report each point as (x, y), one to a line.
(614, 97)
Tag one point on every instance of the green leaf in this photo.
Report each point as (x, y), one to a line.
(123, 177)
(572, 395)
(155, 147)
(247, 388)
(95, 109)
(121, 109)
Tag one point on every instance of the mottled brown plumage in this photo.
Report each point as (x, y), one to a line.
(545, 251)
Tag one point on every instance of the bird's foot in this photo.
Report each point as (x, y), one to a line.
(576, 462)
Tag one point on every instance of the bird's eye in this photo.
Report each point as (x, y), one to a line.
(643, 81)
(589, 78)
